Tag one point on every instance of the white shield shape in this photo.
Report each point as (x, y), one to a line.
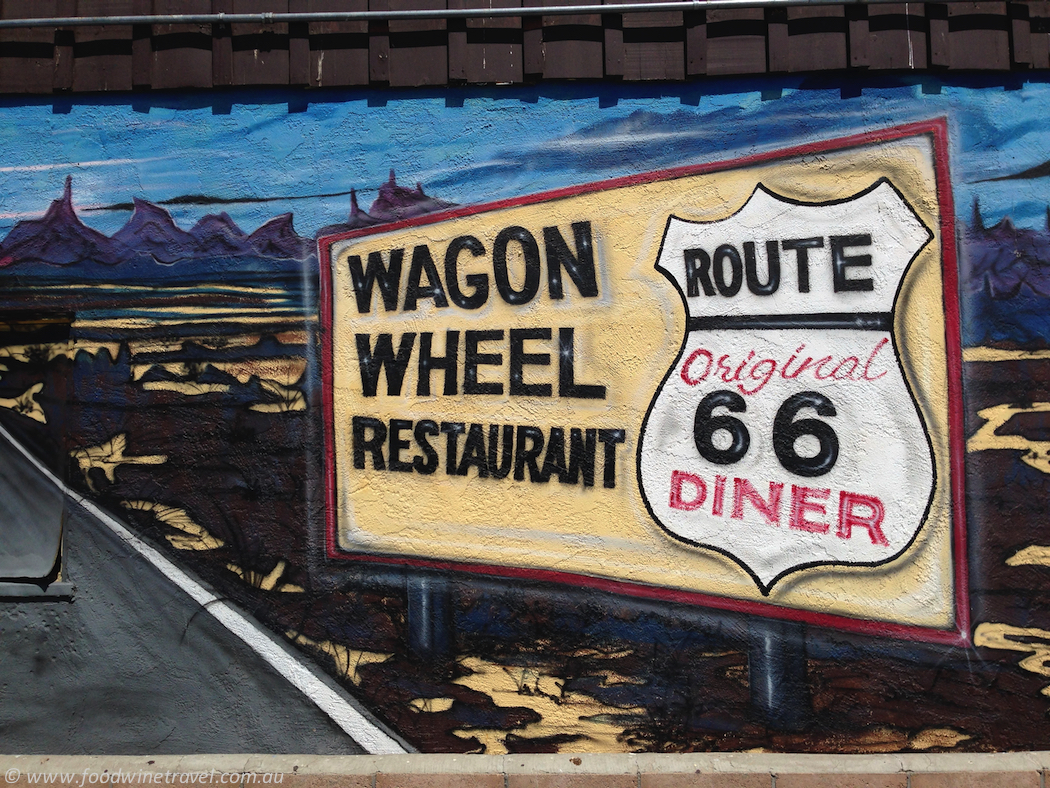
(785, 435)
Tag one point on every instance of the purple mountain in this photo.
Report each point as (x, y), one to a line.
(356, 220)
(277, 238)
(396, 202)
(150, 236)
(59, 238)
(220, 235)
(1004, 260)
(393, 204)
(359, 218)
(151, 231)
(35, 247)
(1005, 274)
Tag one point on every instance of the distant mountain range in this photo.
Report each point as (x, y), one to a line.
(1004, 260)
(1005, 276)
(393, 204)
(61, 247)
(1005, 270)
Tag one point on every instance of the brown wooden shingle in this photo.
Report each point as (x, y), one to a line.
(102, 54)
(940, 51)
(333, 53)
(27, 55)
(1039, 23)
(612, 24)
(486, 50)
(653, 44)
(181, 54)
(417, 48)
(64, 41)
(858, 37)
(816, 38)
(777, 55)
(1020, 35)
(298, 47)
(532, 42)
(378, 50)
(573, 46)
(260, 52)
(736, 41)
(978, 36)
(141, 42)
(674, 46)
(897, 33)
(222, 46)
(695, 43)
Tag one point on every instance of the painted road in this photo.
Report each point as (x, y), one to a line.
(135, 664)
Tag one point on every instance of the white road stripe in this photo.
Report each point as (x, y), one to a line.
(362, 730)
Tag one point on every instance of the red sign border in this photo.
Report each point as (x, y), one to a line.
(959, 635)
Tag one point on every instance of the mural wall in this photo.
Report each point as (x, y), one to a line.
(644, 421)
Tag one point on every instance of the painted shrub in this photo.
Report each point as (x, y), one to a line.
(690, 421)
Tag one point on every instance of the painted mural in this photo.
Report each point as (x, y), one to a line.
(641, 421)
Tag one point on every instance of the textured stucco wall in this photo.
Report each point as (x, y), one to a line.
(644, 420)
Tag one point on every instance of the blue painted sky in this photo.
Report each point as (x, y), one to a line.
(483, 145)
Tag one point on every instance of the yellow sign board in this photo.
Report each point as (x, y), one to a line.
(734, 385)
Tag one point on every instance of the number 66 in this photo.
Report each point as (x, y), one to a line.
(786, 430)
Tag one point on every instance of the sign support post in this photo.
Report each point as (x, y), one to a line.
(429, 618)
(777, 673)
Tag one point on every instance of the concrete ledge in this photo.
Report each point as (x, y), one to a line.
(1017, 770)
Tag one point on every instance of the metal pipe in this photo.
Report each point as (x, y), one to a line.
(445, 13)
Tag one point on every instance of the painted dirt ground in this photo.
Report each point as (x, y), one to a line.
(534, 670)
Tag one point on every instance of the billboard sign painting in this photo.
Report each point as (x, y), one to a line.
(732, 384)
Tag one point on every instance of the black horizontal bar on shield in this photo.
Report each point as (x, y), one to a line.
(862, 321)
